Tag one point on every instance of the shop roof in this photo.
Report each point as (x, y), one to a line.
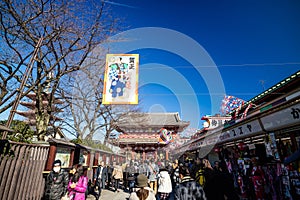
(282, 87)
(60, 141)
(279, 89)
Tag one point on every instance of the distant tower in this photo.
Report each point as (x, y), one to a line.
(30, 113)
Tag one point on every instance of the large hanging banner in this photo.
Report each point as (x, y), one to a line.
(121, 79)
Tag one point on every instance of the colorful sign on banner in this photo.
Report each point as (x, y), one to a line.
(121, 79)
(165, 136)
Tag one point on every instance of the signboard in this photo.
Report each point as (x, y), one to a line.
(282, 118)
(83, 157)
(242, 131)
(121, 79)
(212, 122)
(63, 155)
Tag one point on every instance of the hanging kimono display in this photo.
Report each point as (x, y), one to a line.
(256, 177)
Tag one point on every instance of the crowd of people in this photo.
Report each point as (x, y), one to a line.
(149, 180)
(144, 180)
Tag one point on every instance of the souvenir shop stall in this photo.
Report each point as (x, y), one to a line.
(263, 154)
(259, 146)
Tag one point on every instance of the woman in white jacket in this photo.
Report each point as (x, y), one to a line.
(164, 184)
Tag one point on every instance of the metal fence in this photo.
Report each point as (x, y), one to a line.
(21, 170)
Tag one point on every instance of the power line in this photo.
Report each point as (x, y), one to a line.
(224, 65)
(199, 94)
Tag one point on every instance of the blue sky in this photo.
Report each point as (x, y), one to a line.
(203, 50)
(250, 42)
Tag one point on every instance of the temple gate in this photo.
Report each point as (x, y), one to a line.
(140, 134)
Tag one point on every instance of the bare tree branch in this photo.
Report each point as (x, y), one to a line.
(71, 30)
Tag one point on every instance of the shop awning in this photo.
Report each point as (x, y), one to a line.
(292, 158)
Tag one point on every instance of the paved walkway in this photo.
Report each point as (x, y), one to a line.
(110, 195)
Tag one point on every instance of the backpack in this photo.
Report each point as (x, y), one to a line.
(200, 177)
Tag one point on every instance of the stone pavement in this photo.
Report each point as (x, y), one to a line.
(110, 195)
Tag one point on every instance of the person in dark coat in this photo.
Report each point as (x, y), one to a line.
(57, 182)
(188, 187)
(218, 185)
(131, 176)
(101, 177)
(110, 170)
(175, 174)
(195, 168)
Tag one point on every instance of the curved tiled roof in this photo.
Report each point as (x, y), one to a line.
(151, 119)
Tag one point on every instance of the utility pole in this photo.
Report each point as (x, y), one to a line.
(23, 82)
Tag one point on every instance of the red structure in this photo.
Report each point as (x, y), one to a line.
(140, 133)
(30, 113)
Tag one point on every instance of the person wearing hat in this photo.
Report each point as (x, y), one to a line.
(144, 192)
(57, 182)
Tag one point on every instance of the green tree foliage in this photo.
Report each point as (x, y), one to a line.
(91, 143)
(22, 131)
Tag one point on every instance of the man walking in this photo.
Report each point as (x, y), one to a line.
(153, 172)
(101, 177)
(57, 182)
(110, 170)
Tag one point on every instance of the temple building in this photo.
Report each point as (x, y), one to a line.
(141, 133)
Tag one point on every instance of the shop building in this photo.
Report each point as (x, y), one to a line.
(259, 146)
